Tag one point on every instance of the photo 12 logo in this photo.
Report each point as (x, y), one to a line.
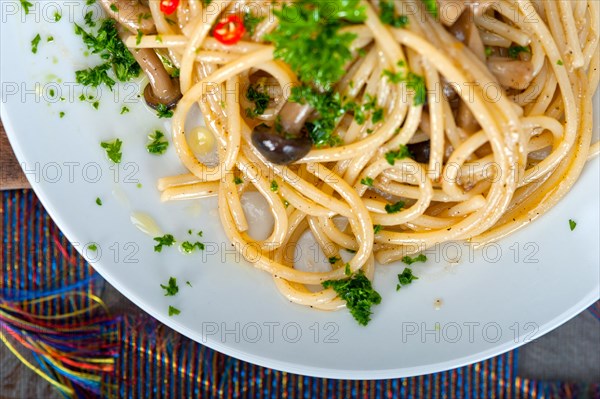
(273, 332)
(490, 332)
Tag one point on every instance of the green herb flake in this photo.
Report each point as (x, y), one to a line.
(419, 258)
(124, 110)
(250, 22)
(172, 288)
(431, 7)
(274, 186)
(25, 5)
(405, 278)
(572, 224)
(49, 39)
(165, 241)
(334, 259)
(188, 283)
(114, 8)
(559, 62)
(347, 270)
(87, 19)
(61, 114)
(93, 247)
(401, 153)
(367, 181)
(173, 311)
(158, 144)
(514, 51)
(260, 98)
(35, 42)
(113, 150)
(162, 111)
(359, 295)
(138, 37)
(188, 247)
(394, 208)
(377, 228)
(388, 16)
(238, 180)
(98, 201)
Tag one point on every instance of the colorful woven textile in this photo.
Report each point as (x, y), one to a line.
(51, 313)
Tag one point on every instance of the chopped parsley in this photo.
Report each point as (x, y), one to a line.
(250, 22)
(274, 186)
(162, 111)
(188, 283)
(87, 19)
(89, 2)
(98, 201)
(172, 288)
(50, 39)
(165, 241)
(138, 37)
(93, 247)
(25, 4)
(572, 224)
(35, 42)
(61, 114)
(113, 149)
(238, 180)
(488, 51)
(124, 110)
(401, 153)
(414, 82)
(158, 144)
(96, 104)
(394, 208)
(419, 258)
(347, 270)
(388, 16)
(431, 7)
(359, 295)
(367, 181)
(94, 76)
(57, 16)
(330, 110)
(309, 40)
(188, 247)
(334, 259)
(114, 7)
(260, 99)
(377, 115)
(377, 228)
(107, 43)
(173, 311)
(514, 51)
(559, 62)
(405, 278)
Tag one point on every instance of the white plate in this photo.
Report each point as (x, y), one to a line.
(493, 301)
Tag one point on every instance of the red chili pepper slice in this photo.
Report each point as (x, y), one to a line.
(229, 30)
(168, 6)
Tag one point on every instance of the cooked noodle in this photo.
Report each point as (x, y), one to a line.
(527, 150)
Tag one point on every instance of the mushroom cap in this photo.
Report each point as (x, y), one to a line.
(153, 101)
(278, 149)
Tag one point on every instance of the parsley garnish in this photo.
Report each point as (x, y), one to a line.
(98, 201)
(347, 270)
(94, 76)
(114, 7)
(87, 19)
(57, 16)
(572, 224)
(162, 111)
(367, 181)
(274, 186)
(419, 258)
(394, 208)
(93, 247)
(250, 22)
(188, 283)
(138, 37)
(387, 15)
(237, 180)
(393, 156)
(172, 288)
(124, 110)
(308, 38)
(334, 259)
(431, 7)
(188, 247)
(405, 278)
(173, 311)
(414, 82)
(113, 150)
(377, 228)
(157, 145)
(25, 4)
(359, 295)
(167, 240)
(559, 62)
(109, 46)
(260, 100)
(514, 51)
(35, 42)
(61, 114)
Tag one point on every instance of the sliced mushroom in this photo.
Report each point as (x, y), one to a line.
(515, 74)
(132, 14)
(162, 89)
(291, 143)
(420, 151)
(465, 30)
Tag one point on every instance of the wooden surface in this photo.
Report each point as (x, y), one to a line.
(11, 174)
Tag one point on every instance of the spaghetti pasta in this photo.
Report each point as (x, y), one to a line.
(502, 124)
